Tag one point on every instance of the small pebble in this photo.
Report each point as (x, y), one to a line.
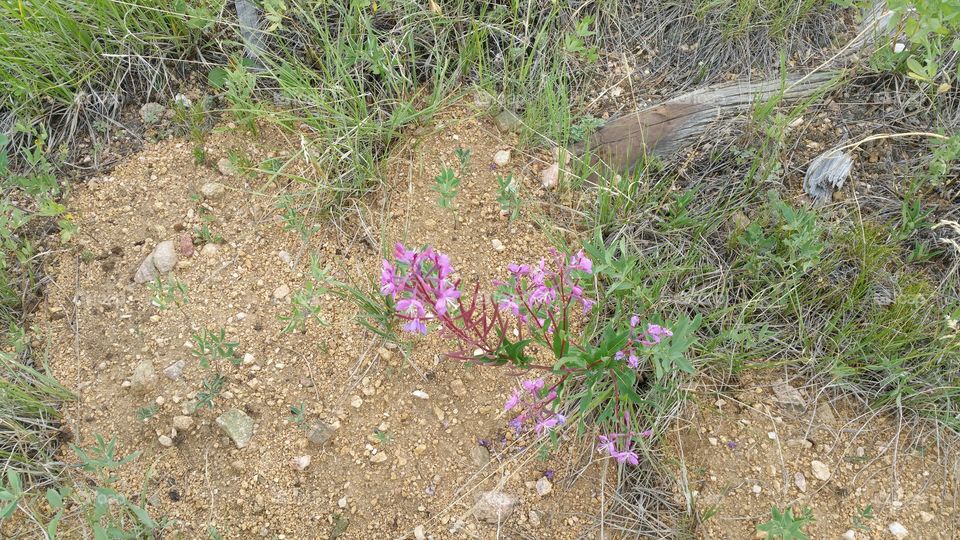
(898, 530)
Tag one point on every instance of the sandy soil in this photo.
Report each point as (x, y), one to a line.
(394, 461)
(764, 445)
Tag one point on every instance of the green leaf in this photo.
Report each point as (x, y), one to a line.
(572, 361)
(8, 510)
(52, 526)
(143, 516)
(218, 77)
(14, 479)
(54, 498)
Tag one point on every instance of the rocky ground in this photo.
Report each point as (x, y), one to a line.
(394, 440)
(772, 442)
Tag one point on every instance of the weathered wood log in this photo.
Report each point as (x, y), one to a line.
(664, 129)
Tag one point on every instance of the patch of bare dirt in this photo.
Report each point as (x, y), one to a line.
(770, 443)
(394, 461)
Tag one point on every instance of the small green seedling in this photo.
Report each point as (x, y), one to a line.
(864, 515)
(147, 412)
(213, 345)
(785, 526)
(173, 292)
(447, 185)
(298, 415)
(463, 157)
(507, 196)
(306, 303)
(212, 387)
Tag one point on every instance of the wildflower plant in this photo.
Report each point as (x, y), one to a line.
(447, 185)
(539, 311)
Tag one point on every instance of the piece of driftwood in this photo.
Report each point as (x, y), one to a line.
(663, 129)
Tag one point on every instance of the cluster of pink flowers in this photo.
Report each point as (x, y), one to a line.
(653, 335)
(534, 406)
(533, 292)
(608, 444)
(421, 285)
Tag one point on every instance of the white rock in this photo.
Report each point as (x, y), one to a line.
(301, 462)
(421, 394)
(544, 486)
(165, 256)
(379, 457)
(342, 503)
(501, 158)
(849, 535)
(281, 291)
(183, 101)
(898, 530)
(497, 245)
(495, 507)
(209, 250)
(356, 402)
(418, 533)
(820, 470)
(165, 441)
(926, 517)
(757, 489)
(182, 422)
(550, 176)
(899, 47)
(286, 258)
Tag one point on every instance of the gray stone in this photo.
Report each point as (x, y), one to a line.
(801, 481)
(480, 455)
(501, 158)
(787, 395)
(182, 422)
(226, 167)
(165, 441)
(495, 507)
(534, 518)
(175, 370)
(144, 376)
(507, 121)
(237, 425)
(319, 433)
(147, 272)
